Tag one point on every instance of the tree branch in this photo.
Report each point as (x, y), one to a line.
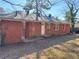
(12, 3)
(76, 12)
(53, 3)
(68, 3)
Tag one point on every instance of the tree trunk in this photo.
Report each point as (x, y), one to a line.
(72, 24)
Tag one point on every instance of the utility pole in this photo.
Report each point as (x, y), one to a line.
(37, 10)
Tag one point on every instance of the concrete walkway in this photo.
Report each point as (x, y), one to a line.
(17, 50)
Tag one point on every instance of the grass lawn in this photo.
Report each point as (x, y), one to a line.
(65, 50)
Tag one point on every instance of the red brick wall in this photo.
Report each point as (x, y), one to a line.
(64, 28)
(67, 30)
(56, 29)
(12, 31)
(50, 28)
(33, 29)
(0, 25)
(53, 27)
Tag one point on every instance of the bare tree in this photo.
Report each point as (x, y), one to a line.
(38, 5)
(67, 16)
(12, 3)
(73, 9)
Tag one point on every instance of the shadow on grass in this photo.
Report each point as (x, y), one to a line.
(36, 46)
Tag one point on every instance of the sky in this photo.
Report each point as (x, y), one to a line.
(56, 10)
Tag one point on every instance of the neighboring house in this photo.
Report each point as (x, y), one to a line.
(22, 15)
(77, 28)
(76, 25)
(18, 31)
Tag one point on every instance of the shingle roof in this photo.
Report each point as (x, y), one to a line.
(30, 17)
(2, 15)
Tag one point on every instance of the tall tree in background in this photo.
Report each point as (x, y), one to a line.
(67, 16)
(73, 7)
(37, 5)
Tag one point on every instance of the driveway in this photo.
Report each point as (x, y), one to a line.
(17, 50)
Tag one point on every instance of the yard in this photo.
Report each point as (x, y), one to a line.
(61, 47)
